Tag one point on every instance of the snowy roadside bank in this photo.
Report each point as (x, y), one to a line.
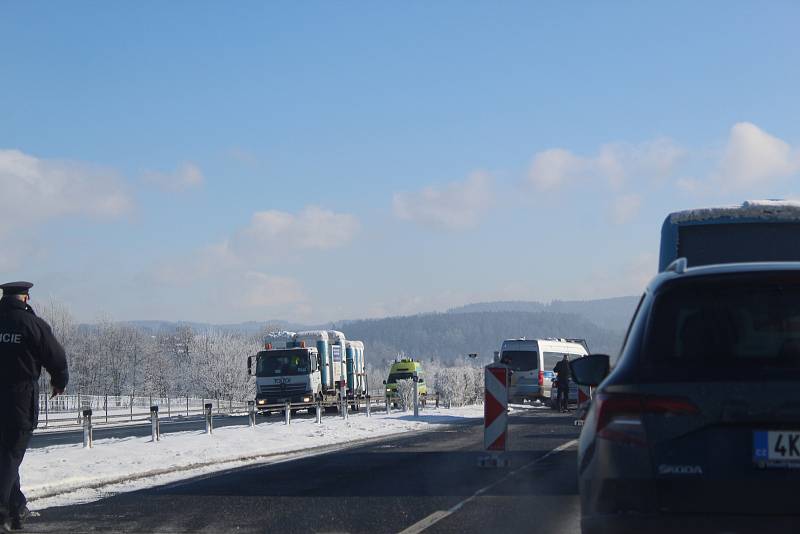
(69, 474)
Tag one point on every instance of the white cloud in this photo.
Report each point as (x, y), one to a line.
(34, 190)
(271, 232)
(554, 167)
(272, 240)
(615, 163)
(186, 176)
(625, 208)
(456, 206)
(753, 157)
(260, 290)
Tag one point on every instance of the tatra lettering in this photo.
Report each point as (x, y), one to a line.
(10, 338)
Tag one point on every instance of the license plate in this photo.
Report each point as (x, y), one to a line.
(776, 446)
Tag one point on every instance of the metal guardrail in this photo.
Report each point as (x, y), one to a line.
(67, 410)
(288, 408)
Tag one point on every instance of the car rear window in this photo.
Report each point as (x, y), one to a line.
(520, 360)
(738, 321)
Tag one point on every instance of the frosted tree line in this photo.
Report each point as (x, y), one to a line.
(118, 359)
(115, 359)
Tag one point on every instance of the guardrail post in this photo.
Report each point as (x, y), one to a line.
(209, 418)
(251, 413)
(437, 399)
(287, 413)
(368, 405)
(388, 404)
(342, 399)
(187, 405)
(169, 411)
(154, 430)
(105, 407)
(131, 407)
(87, 429)
(46, 415)
(416, 395)
(319, 411)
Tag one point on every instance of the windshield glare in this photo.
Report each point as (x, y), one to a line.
(283, 363)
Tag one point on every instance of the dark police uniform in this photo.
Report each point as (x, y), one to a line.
(562, 370)
(26, 344)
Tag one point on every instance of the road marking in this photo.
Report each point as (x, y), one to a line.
(438, 515)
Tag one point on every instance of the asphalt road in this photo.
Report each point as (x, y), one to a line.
(423, 482)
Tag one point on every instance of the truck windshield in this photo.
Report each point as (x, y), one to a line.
(520, 360)
(394, 377)
(283, 363)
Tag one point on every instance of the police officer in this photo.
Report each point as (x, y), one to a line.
(563, 373)
(26, 344)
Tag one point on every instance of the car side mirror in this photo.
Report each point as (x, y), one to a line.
(249, 366)
(590, 370)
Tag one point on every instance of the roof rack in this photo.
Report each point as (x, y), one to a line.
(678, 266)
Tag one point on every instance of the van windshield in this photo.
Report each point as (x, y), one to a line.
(521, 360)
(751, 321)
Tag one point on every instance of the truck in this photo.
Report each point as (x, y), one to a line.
(307, 367)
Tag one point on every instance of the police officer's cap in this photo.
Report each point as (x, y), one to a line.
(16, 288)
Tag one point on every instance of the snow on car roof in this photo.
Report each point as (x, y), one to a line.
(751, 209)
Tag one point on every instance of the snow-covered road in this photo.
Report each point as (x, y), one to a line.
(69, 474)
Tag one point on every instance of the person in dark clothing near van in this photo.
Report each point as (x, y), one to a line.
(562, 380)
(26, 344)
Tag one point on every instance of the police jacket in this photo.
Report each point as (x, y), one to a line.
(26, 344)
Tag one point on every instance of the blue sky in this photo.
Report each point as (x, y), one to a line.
(318, 161)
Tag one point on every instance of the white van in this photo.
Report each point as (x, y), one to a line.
(533, 360)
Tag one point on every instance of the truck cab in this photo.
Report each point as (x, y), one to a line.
(404, 370)
(290, 374)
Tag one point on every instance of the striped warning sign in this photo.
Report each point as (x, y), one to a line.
(495, 417)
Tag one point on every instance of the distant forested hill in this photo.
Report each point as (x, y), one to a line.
(449, 337)
(612, 313)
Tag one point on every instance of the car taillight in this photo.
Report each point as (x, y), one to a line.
(541, 378)
(619, 417)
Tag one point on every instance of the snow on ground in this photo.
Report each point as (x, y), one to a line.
(69, 474)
